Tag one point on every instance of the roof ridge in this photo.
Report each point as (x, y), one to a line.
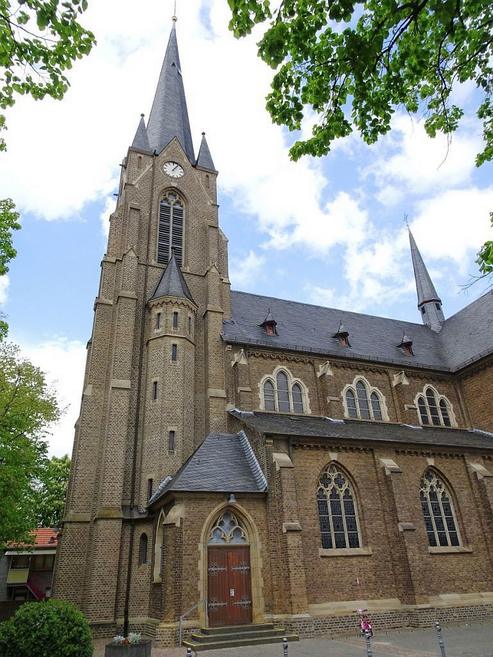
(252, 461)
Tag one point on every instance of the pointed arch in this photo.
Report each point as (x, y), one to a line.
(171, 227)
(436, 498)
(338, 509)
(282, 392)
(363, 401)
(434, 409)
(248, 525)
(158, 549)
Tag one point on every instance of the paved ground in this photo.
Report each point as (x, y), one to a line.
(473, 640)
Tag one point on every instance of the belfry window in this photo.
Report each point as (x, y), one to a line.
(282, 393)
(170, 236)
(438, 511)
(363, 402)
(433, 409)
(337, 513)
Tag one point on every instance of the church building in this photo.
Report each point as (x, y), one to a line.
(261, 465)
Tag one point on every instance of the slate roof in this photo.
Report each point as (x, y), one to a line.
(141, 141)
(172, 283)
(303, 327)
(323, 427)
(224, 462)
(169, 114)
(204, 158)
(424, 285)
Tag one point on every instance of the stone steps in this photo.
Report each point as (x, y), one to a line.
(213, 638)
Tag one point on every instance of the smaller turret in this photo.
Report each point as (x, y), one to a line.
(429, 303)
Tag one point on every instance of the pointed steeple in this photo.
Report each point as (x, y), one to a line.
(172, 283)
(429, 303)
(204, 158)
(169, 115)
(141, 141)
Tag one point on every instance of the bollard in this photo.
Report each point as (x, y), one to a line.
(285, 647)
(441, 642)
(189, 652)
(369, 652)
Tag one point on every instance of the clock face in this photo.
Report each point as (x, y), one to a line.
(173, 169)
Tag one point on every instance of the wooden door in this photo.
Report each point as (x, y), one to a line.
(229, 597)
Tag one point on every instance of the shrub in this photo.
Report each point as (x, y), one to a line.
(46, 629)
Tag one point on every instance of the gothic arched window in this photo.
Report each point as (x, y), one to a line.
(143, 549)
(433, 408)
(227, 530)
(170, 234)
(338, 516)
(363, 402)
(438, 511)
(284, 394)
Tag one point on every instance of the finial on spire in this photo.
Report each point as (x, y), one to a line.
(174, 18)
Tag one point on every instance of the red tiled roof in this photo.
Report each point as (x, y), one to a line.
(45, 537)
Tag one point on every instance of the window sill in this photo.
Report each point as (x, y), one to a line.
(449, 549)
(345, 552)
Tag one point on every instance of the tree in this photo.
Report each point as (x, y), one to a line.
(354, 63)
(27, 408)
(39, 40)
(49, 495)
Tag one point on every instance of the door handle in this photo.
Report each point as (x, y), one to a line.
(231, 593)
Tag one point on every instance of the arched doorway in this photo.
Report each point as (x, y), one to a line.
(229, 586)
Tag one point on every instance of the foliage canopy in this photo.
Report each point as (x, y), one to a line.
(27, 408)
(355, 63)
(50, 491)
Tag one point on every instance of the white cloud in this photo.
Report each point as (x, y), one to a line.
(4, 284)
(453, 224)
(408, 161)
(109, 207)
(245, 270)
(63, 362)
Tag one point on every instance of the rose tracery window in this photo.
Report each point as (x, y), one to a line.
(438, 511)
(363, 402)
(433, 408)
(227, 530)
(339, 527)
(170, 234)
(281, 393)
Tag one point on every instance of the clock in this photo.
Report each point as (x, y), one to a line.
(173, 169)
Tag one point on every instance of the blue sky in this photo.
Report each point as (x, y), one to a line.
(328, 231)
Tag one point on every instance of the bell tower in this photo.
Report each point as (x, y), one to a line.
(154, 383)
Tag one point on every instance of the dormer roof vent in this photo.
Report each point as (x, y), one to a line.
(269, 324)
(406, 344)
(342, 335)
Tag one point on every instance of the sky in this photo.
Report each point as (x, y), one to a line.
(328, 231)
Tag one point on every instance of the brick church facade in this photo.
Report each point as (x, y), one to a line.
(243, 459)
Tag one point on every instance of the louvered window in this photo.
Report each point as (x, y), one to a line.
(433, 408)
(170, 238)
(438, 512)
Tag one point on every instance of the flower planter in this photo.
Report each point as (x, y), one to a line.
(142, 649)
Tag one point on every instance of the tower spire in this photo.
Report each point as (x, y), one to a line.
(169, 114)
(429, 303)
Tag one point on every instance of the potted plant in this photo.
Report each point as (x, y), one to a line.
(132, 645)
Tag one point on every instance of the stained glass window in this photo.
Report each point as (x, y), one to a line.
(283, 393)
(227, 530)
(337, 512)
(438, 511)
